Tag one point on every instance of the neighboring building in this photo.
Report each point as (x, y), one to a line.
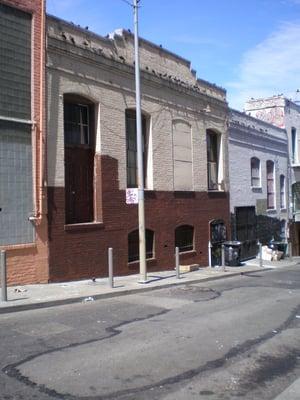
(285, 113)
(258, 170)
(23, 223)
(92, 155)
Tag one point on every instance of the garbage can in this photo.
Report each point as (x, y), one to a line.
(232, 253)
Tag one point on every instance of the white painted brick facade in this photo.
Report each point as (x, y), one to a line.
(249, 137)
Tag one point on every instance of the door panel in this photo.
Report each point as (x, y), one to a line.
(79, 162)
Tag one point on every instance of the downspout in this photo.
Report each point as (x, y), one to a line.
(39, 135)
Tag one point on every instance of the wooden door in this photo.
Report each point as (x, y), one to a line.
(79, 184)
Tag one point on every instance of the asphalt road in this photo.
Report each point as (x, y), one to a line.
(228, 339)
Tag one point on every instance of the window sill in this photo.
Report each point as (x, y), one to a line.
(284, 209)
(256, 187)
(189, 252)
(137, 261)
(17, 246)
(295, 165)
(271, 211)
(85, 226)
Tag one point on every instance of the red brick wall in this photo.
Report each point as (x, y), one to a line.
(29, 263)
(82, 253)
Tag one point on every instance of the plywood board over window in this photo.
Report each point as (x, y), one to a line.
(16, 179)
(182, 155)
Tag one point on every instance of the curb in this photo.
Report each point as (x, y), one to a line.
(72, 300)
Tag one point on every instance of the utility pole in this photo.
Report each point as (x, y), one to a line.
(141, 202)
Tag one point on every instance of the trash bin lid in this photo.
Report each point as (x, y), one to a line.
(232, 243)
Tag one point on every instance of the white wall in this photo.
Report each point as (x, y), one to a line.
(249, 138)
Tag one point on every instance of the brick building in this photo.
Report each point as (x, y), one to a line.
(92, 155)
(285, 113)
(258, 170)
(23, 223)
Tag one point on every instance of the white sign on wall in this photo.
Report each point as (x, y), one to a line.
(132, 196)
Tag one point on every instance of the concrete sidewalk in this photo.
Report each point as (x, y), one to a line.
(21, 298)
(291, 393)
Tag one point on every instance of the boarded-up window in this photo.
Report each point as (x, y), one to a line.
(15, 63)
(16, 183)
(182, 156)
(270, 185)
(16, 200)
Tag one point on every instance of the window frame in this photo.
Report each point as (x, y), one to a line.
(84, 154)
(282, 189)
(214, 161)
(79, 123)
(271, 205)
(150, 245)
(294, 146)
(132, 166)
(252, 169)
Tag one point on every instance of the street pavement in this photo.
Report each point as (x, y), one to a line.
(221, 339)
(27, 297)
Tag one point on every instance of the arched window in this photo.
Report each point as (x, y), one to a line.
(270, 185)
(131, 148)
(282, 191)
(133, 245)
(255, 172)
(79, 159)
(184, 238)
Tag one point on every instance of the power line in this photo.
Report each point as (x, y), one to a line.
(127, 2)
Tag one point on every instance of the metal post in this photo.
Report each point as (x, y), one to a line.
(223, 256)
(177, 263)
(141, 206)
(209, 254)
(3, 275)
(260, 254)
(110, 267)
(290, 251)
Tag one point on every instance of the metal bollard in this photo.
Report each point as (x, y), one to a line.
(177, 262)
(110, 267)
(260, 255)
(290, 251)
(223, 257)
(3, 275)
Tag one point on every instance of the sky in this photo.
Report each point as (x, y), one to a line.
(249, 47)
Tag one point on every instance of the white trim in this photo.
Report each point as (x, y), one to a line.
(18, 120)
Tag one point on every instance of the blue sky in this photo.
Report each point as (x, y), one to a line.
(251, 48)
